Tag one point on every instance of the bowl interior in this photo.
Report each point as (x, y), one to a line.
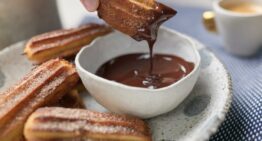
(117, 44)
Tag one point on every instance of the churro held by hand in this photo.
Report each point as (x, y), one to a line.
(139, 19)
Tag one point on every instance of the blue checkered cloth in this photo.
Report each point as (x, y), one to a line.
(244, 120)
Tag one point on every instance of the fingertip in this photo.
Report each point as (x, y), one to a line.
(90, 5)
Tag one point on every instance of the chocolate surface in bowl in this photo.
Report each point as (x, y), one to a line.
(135, 70)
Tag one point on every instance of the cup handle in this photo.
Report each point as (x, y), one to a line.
(208, 18)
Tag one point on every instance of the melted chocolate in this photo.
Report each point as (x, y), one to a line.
(135, 70)
(150, 31)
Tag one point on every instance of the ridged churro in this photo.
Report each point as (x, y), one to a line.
(53, 124)
(44, 86)
(63, 43)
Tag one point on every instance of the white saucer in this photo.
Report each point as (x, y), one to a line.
(196, 119)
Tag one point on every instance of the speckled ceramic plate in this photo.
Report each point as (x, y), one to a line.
(194, 120)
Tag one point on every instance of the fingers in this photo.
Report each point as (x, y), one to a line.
(90, 5)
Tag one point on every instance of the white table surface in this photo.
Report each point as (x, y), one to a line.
(72, 12)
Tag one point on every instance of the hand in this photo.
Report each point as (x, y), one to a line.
(90, 5)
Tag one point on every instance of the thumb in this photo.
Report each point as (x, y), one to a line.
(90, 5)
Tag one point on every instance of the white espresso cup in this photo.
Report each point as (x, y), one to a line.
(241, 32)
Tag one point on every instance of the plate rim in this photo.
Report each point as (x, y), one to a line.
(221, 116)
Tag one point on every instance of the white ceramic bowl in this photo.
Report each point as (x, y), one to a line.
(140, 102)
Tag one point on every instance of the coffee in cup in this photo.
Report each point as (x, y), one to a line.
(238, 22)
(245, 8)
